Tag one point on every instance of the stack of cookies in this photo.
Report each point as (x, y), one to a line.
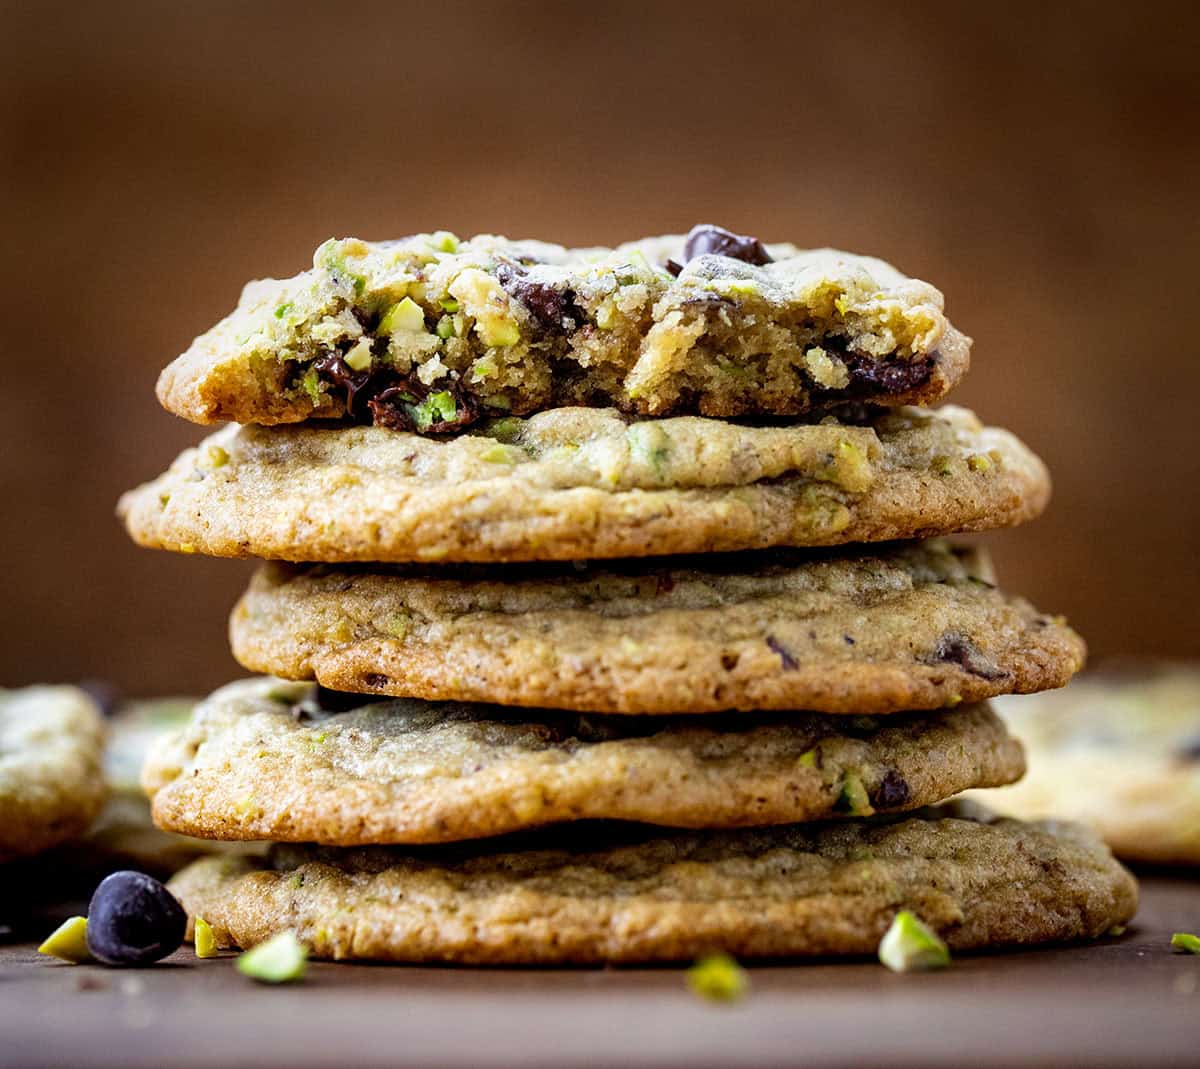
(609, 617)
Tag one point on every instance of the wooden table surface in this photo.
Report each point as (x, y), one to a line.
(1122, 1001)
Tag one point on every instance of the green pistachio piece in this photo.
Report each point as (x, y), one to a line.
(443, 241)
(910, 945)
(445, 328)
(283, 309)
(449, 305)
(501, 454)
(854, 797)
(649, 442)
(278, 960)
(1186, 943)
(943, 465)
(506, 429)
(68, 942)
(403, 316)
(312, 386)
(808, 759)
(202, 936)
(359, 357)
(438, 407)
(979, 463)
(719, 978)
(217, 457)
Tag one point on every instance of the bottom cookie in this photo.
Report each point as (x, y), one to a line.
(610, 893)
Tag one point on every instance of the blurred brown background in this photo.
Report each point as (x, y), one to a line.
(1038, 163)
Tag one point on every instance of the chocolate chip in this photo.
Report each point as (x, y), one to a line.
(555, 309)
(848, 640)
(892, 791)
(334, 370)
(955, 648)
(707, 239)
(790, 664)
(673, 268)
(869, 376)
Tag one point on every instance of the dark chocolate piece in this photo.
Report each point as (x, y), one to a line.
(707, 239)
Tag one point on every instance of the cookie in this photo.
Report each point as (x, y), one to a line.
(912, 626)
(1121, 751)
(625, 896)
(51, 782)
(430, 333)
(267, 760)
(577, 483)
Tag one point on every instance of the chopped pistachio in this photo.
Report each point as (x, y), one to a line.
(1116, 930)
(449, 305)
(403, 316)
(854, 797)
(606, 316)
(443, 241)
(506, 429)
(742, 287)
(649, 442)
(312, 386)
(396, 625)
(280, 959)
(910, 945)
(206, 942)
(808, 759)
(438, 407)
(482, 297)
(331, 257)
(501, 454)
(978, 462)
(943, 465)
(841, 304)
(1186, 943)
(719, 978)
(445, 328)
(68, 942)
(217, 457)
(359, 357)
(283, 309)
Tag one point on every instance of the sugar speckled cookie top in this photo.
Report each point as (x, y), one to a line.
(429, 333)
(263, 759)
(915, 626)
(51, 781)
(1119, 750)
(634, 896)
(574, 483)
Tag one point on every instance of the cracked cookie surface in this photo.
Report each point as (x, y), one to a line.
(430, 333)
(641, 896)
(263, 759)
(910, 626)
(576, 483)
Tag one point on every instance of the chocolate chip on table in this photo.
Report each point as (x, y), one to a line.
(133, 920)
(954, 648)
(790, 664)
(892, 791)
(706, 239)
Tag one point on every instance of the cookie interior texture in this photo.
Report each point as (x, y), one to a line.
(263, 759)
(911, 626)
(580, 482)
(636, 896)
(430, 333)
(1120, 750)
(51, 781)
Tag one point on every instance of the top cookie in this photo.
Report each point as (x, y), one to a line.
(429, 333)
(51, 782)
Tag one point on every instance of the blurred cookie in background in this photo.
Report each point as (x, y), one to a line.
(1119, 749)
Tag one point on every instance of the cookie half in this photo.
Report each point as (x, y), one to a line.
(51, 780)
(267, 760)
(628, 896)
(577, 483)
(915, 626)
(1121, 751)
(430, 334)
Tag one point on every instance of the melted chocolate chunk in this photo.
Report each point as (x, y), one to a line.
(715, 240)
(954, 648)
(869, 376)
(554, 309)
(673, 268)
(892, 791)
(790, 664)
(334, 370)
